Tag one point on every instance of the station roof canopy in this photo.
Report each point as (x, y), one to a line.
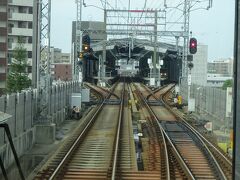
(147, 45)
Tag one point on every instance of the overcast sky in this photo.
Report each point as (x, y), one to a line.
(214, 28)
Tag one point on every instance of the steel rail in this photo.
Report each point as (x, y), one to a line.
(162, 134)
(210, 144)
(111, 92)
(210, 154)
(73, 147)
(180, 159)
(116, 150)
(199, 136)
(96, 91)
(155, 91)
(77, 141)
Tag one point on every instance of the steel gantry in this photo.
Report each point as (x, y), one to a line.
(41, 68)
(41, 54)
(77, 72)
(119, 22)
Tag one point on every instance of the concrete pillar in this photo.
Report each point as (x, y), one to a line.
(35, 44)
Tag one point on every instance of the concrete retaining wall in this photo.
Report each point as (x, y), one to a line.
(23, 109)
(22, 143)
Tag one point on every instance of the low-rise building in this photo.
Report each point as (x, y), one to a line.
(221, 66)
(199, 70)
(61, 67)
(216, 80)
(57, 56)
(61, 71)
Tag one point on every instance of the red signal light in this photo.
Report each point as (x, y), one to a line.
(193, 45)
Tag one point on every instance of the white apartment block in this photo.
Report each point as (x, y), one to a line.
(3, 43)
(20, 23)
(199, 71)
(221, 66)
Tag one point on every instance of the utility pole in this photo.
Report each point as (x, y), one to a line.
(78, 42)
(155, 45)
(104, 55)
(100, 65)
(186, 38)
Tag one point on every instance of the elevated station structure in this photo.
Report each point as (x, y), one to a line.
(132, 35)
(139, 62)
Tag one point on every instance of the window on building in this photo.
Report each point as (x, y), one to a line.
(30, 25)
(22, 24)
(10, 10)
(24, 39)
(10, 56)
(30, 11)
(30, 40)
(29, 54)
(29, 69)
(22, 9)
(10, 25)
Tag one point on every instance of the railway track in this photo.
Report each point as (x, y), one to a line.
(224, 162)
(155, 154)
(191, 153)
(103, 147)
(92, 153)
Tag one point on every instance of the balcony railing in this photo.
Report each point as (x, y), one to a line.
(21, 16)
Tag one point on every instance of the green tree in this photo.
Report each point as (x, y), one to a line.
(227, 83)
(18, 79)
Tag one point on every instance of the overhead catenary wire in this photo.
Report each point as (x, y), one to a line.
(144, 7)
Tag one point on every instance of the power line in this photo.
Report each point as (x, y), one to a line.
(144, 7)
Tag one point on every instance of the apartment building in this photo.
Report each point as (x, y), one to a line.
(219, 71)
(16, 20)
(221, 66)
(3, 42)
(20, 24)
(199, 70)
